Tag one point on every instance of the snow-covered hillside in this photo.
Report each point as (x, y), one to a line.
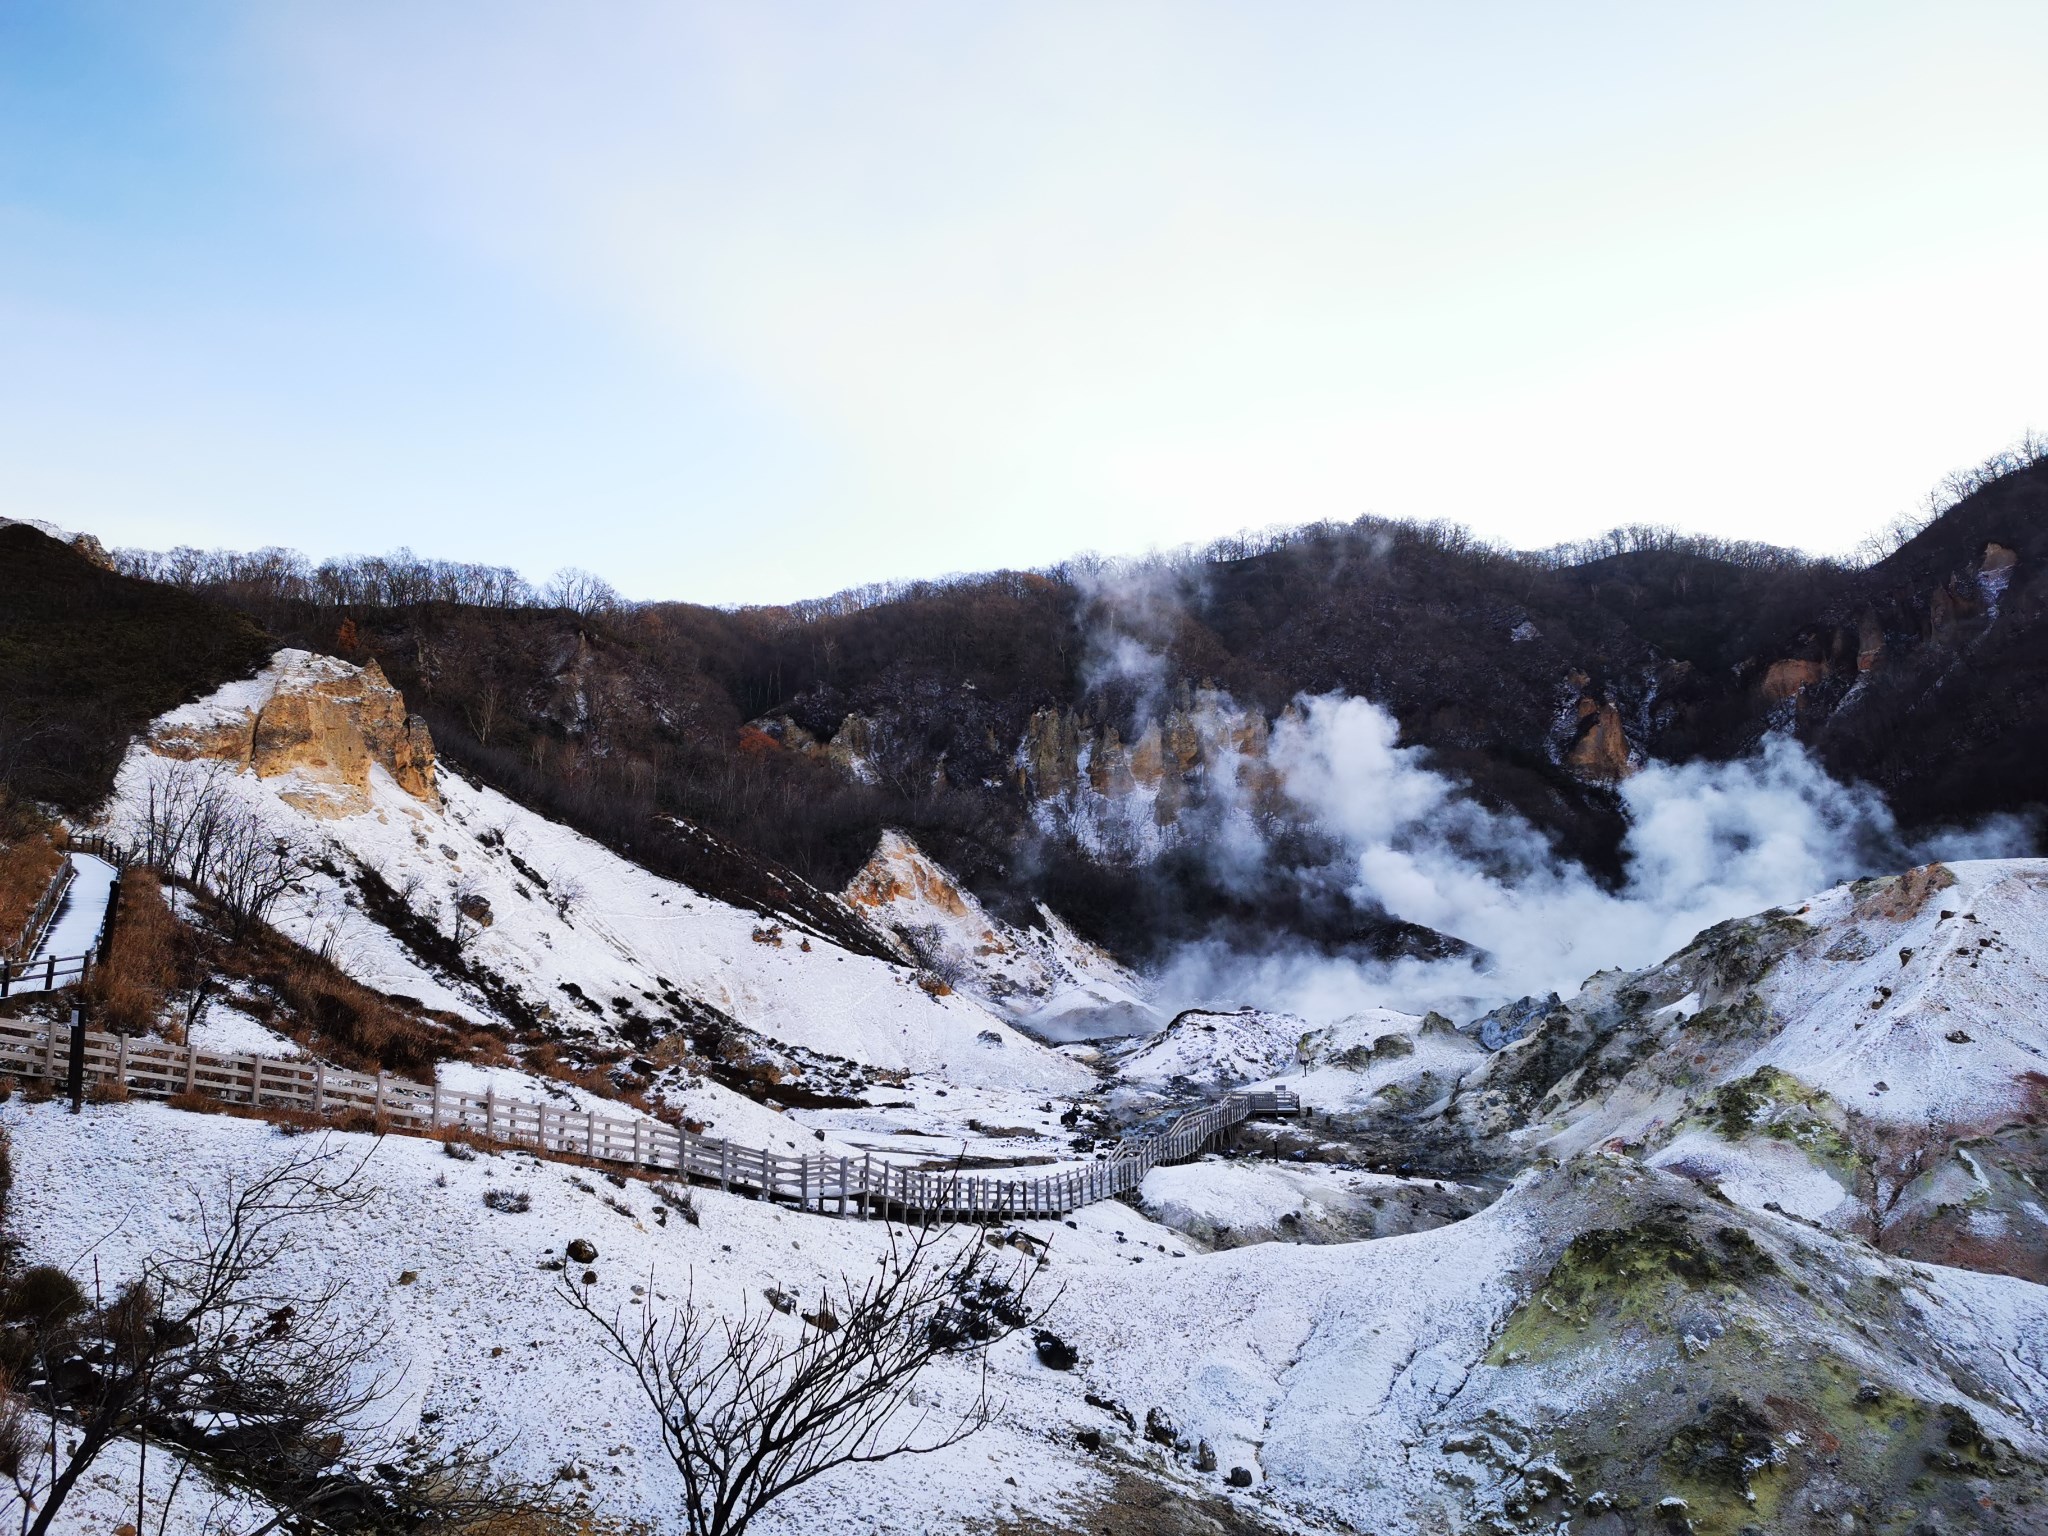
(1756, 1229)
(1875, 1058)
(1374, 1058)
(1046, 977)
(584, 939)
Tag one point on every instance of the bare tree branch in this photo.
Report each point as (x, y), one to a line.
(757, 1402)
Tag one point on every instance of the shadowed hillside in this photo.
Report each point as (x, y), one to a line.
(88, 657)
(958, 710)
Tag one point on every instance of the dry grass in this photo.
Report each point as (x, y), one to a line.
(329, 1013)
(343, 1020)
(144, 962)
(28, 860)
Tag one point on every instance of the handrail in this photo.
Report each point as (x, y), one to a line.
(46, 973)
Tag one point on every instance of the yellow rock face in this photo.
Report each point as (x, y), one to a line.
(899, 871)
(1785, 678)
(326, 723)
(1601, 753)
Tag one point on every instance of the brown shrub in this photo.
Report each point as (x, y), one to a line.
(484, 1048)
(197, 1103)
(107, 1090)
(143, 963)
(27, 862)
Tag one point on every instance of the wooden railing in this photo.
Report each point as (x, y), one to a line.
(99, 845)
(843, 1186)
(47, 973)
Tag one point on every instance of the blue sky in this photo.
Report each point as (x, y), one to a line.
(741, 303)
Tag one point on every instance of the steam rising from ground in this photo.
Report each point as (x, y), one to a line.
(1707, 842)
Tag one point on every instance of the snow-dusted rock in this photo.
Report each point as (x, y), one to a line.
(1045, 977)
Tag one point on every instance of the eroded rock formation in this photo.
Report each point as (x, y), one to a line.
(319, 719)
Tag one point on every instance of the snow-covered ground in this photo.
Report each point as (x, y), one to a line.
(1350, 1378)
(1874, 1002)
(1229, 1202)
(1345, 1377)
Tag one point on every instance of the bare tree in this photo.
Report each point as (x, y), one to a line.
(760, 1401)
(205, 1345)
(472, 910)
(251, 869)
(193, 830)
(183, 807)
(245, 1377)
(581, 593)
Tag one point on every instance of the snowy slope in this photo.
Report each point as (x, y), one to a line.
(1356, 1382)
(1875, 1059)
(584, 937)
(1375, 1059)
(1216, 1049)
(1896, 969)
(1918, 1000)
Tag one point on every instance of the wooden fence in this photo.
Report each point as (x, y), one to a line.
(842, 1186)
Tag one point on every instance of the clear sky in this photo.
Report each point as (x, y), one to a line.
(750, 301)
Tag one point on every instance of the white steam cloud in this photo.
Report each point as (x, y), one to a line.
(1707, 842)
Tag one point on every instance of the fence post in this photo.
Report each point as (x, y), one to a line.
(490, 1111)
(867, 1187)
(724, 1165)
(106, 944)
(381, 1075)
(77, 1059)
(121, 1062)
(191, 1063)
(319, 1087)
(639, 1128)
(842, 1189)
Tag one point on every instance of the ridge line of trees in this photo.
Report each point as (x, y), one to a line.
(399, 579)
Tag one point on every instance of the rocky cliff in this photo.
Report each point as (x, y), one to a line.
(323, 722)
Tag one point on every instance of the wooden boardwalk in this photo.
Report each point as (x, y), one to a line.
(839, 1186)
